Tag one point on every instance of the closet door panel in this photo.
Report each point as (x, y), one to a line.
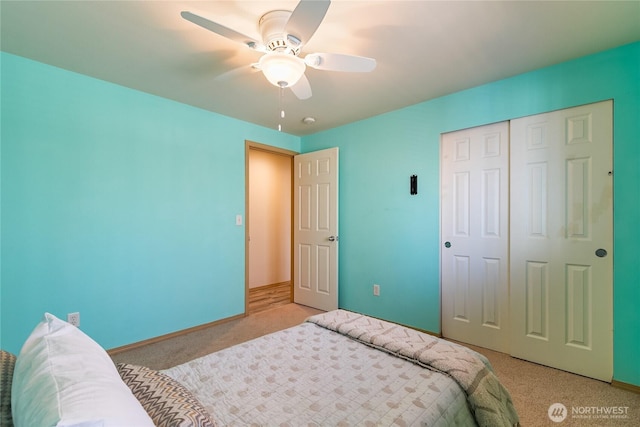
(561, 239)
(474, 231)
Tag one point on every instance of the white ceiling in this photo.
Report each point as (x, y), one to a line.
(424, 49)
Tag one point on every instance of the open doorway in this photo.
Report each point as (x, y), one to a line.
(268, 244)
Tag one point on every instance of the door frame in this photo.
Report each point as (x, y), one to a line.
(256, 146)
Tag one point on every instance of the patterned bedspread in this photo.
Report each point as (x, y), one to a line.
(489, 400)
(311, 375)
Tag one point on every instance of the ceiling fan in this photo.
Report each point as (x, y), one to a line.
(284, 34)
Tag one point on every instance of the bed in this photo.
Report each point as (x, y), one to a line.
(342, 368)
(336, 368)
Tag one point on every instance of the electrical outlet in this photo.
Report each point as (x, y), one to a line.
(74, 319)
(376, 290)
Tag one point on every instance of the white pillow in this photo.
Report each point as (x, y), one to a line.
(64, 378)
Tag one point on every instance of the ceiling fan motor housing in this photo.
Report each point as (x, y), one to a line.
(271, 26)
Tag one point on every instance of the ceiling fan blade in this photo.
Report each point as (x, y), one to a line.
(305, 20)
(237, 72)
(221, 30)
(302, 89)
(340, 62)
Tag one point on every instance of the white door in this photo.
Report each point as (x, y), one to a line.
(315, 229)
(562, 239)
(475, 239)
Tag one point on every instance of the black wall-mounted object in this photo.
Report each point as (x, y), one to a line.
(414, 185)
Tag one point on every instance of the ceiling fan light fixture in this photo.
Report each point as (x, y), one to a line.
(282, 69)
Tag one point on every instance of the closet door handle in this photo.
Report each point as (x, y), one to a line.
(601, 253)
(447, 244)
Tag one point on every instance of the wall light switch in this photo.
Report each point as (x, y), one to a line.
(238, 219)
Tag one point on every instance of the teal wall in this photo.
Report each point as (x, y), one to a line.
(391, 238)
(119, 205)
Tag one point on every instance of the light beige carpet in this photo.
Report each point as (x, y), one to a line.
(534, 388)
(181, 349)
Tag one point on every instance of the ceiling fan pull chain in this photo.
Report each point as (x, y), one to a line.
(282, 103)
(281, 106)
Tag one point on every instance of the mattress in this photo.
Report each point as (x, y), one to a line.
(310, 375)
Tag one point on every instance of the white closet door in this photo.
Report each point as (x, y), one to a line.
(562, 239)
(474, 232)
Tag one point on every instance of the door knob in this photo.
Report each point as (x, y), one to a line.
(447, 244)
(333, 238)
(601, 253)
